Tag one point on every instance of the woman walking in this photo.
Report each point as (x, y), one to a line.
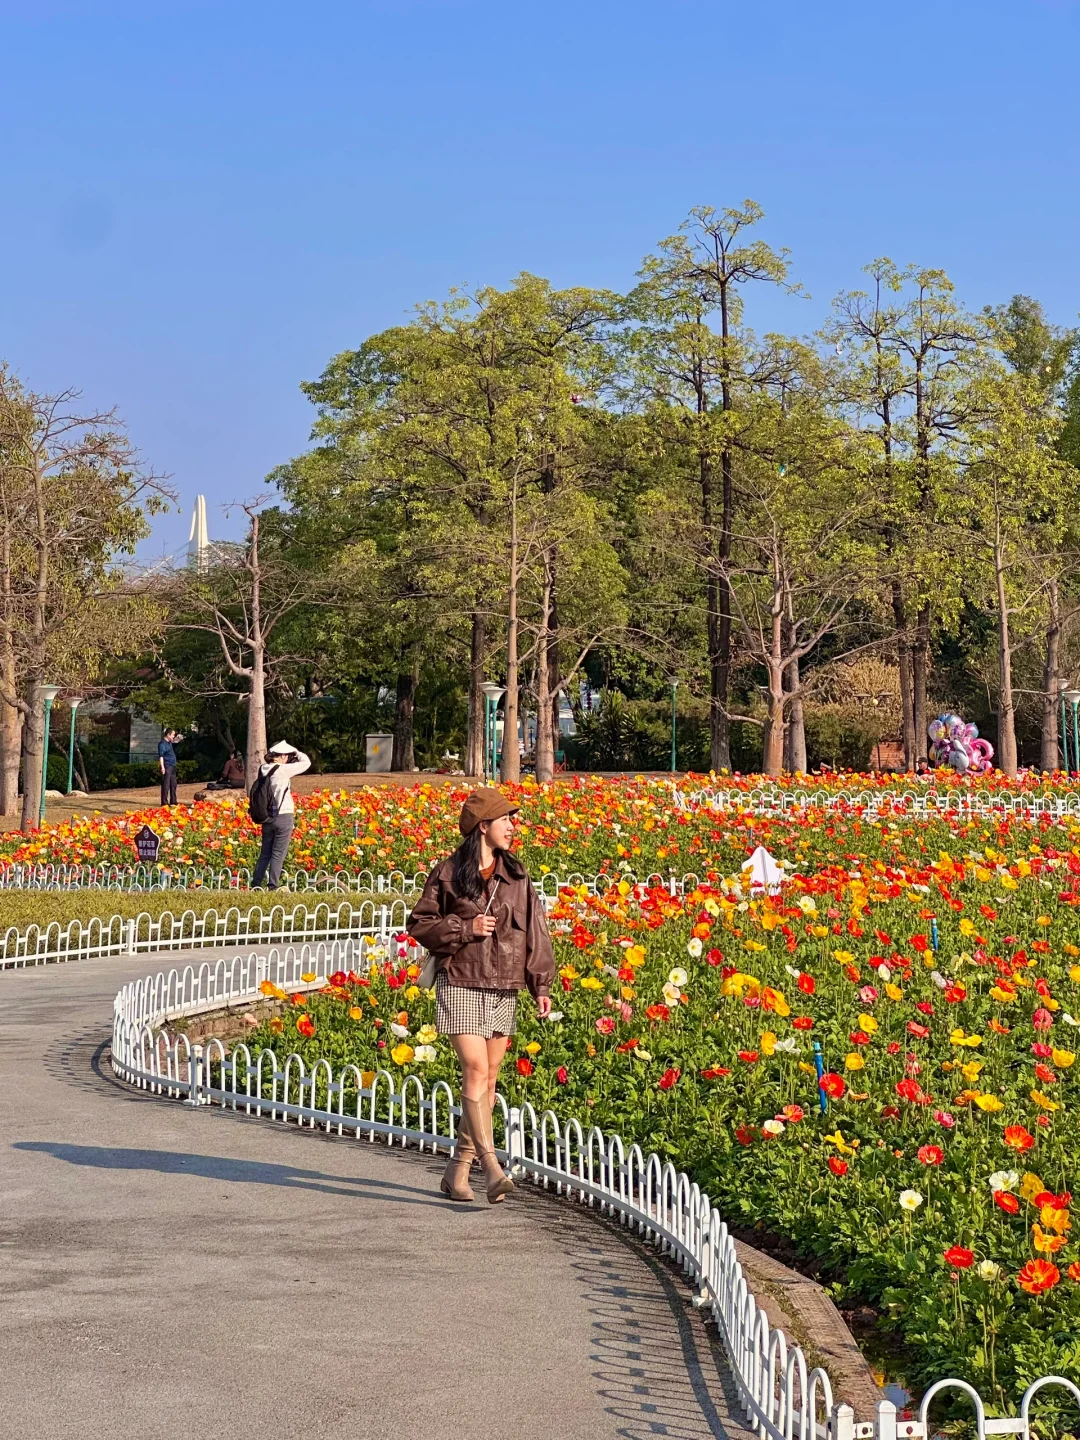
(483, 922)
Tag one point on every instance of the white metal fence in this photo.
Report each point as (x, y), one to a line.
(241, 925)
(151, 878)
(123, 935)
(781, 1395)
(923, 804)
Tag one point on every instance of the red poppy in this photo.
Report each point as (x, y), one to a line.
(714, 1072)
(1007, 1201)
(920, 943)
(1042, 1051)
(1017, 1138)
(924, 1007)
(838, 1166)
(749, 1057)
(714, 957)
(832, 1085)
(931, 1154)
(792, 1114)
(306, 1026)
(890, 1112)
(628, 1045)
(1038, 1276)
(339, 978)
(803, 1022)
(955, 993)
(959, 1258)
(562, 1075)
(1045, 1074)
(1073, 1271)
(894, 1047)
(744, 1136)
(920, 1032)
(669, 1079)
(524, 1066)
(806, 983)
(657, 1012)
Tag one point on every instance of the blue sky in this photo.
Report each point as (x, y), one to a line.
(202, 202)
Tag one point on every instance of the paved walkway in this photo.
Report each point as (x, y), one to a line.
(172, 1272)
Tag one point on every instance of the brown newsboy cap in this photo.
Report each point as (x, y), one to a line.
(484, 804)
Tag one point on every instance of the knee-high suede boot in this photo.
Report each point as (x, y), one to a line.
(455, 1179)
(479, 1117)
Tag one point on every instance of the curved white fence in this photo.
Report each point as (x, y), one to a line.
(123, 935)
(149, 878)
(781, 1395)
(237, 925)
(153, 878)
(763, 800)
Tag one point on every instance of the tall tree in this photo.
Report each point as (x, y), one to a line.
(686, 355)
(74, 496)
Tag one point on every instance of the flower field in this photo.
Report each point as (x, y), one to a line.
(933, 962)
(589, 825)
(937, 1184)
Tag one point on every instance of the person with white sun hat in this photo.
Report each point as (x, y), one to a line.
(271, 804)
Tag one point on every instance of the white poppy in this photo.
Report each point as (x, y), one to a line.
(909, 1200)
(693, 947)
(988, 1271)
(1004, 1180)
(678, 977)
(553, 1017)
(773, 1127)
(401, 1031)
(424, 1052)
(672, 994)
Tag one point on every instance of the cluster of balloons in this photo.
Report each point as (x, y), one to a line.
(952, 742)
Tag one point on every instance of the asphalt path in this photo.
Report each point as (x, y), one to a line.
(168, 1271)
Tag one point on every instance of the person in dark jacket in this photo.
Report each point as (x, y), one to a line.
(233, 775)
(167, 765)
(481, 919)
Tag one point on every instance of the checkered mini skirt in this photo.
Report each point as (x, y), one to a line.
(462, 1010)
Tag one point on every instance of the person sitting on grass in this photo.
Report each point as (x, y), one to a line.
(233, 776)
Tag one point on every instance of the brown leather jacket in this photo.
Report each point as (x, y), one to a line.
(517, 955)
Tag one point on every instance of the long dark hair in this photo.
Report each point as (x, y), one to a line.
(465, 866)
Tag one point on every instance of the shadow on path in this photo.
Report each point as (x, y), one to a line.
(244, 1172)
(658, 1370)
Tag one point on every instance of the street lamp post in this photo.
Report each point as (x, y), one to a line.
(674, 687)
(492, 695)
(74, 703)
(48, 694)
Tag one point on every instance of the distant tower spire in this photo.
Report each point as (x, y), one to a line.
(199, 539)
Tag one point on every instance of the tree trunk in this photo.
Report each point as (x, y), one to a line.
(11, 726)
(1006, 717)
(920, 660)
(80, 768)
(33, 738)
(10, 717)
(511, 755)
(404, 708)
(1050, 750)
(545, 750)
(907, 698)
(256, 731)
(772, 757)
(795, 733)
(474, 741)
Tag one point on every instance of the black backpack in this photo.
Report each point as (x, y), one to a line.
(262, 802)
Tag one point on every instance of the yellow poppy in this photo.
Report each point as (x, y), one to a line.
(854, 1061)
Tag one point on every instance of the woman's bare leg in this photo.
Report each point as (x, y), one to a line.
(497, 1047)
(472, 1054)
